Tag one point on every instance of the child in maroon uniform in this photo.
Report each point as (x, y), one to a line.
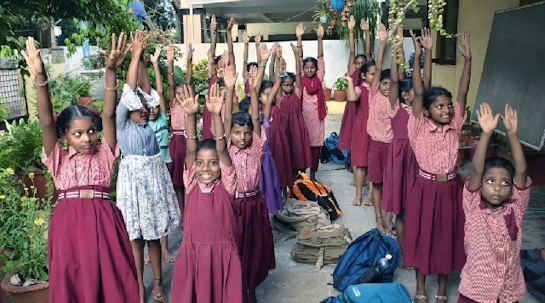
(208, 267)
(89, 248)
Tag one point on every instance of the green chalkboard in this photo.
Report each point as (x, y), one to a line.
(514, 70)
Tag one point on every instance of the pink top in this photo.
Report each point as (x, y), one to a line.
(493, 240)
(177, 116)
(247, 163)
(316, 128)
(436, 149)
(379, 125)
(71, 169)
(228, 178)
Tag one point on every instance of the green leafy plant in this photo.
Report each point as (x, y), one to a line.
(24, 227)
(322, 10)
(341, 84)
(200, 78)
(21, 146)
(369, 10)
(66, 90)
(95, 62)
(5, 111)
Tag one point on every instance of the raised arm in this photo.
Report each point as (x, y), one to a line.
(394, 76)
(254, 106)
(274, 57)
(171, 81)
(427, 43)
(257, 39)
(364, 25)
(383, 35)
(298, 63)
(271, 97)
(189, 73)
(320, 36)
(230, 78)
(143, 77)
(212, 51)
(159, 80)
(510, 121)
(231, 53)
(214, 103)
(114, 60)
(351, 94)
(264, 55)
(246, 39)
(418, 87)
(139, 41)
(488, 122)
(190, 104)
(351, 39)
(45, 108)
(299, 32)
(465, 49)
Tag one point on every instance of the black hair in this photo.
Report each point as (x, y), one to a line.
(288, 76)
(405, 86)
(249, 65)
(385, 74)
(74, 112)
(360, 56)
(180, 85)
(365, 69)
(208, 144)
(311, 60)
(432, 94)
(245, 105)
(266, 84)
(499, 162)
(243, 119)
(221, 82)
(217, 59)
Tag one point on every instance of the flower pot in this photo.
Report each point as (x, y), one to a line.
(327, 93)
(86, 101)
(38, 293)
(40, 184)
(340, 95)
(323, 19)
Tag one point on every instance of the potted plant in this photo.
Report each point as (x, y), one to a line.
(322, 11)
(327, 92)
(69, 90)
(24, 229)
(341, 85)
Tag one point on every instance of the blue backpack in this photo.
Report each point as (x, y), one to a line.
(373, 293)
(362, 255)
(331, 150)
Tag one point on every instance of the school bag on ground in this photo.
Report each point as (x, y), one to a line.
(373, 293)
(362, 255)
(331, 152)
(299, 216)
(305, 189)
(533, 268)
(322, 245)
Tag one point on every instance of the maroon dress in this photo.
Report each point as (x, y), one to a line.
(349, 118)
(401, 165)
(360, 144)
(280, 146)
(292, 108)
(208, 266)
(207, 116)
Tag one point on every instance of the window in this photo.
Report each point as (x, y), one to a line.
(445, 51)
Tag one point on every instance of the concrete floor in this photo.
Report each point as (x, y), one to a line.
(292, 282)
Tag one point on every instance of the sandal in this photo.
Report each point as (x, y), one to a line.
(420, 297)
(442, 298)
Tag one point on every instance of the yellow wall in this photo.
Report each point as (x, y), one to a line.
(475, 16)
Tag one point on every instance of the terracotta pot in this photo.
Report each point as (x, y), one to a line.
(327, 93)
(86, 101)
(340, 95)
(38, 293)
(40, 183)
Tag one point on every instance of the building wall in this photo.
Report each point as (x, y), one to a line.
(477, 17)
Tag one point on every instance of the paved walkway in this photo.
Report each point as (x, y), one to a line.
(299, 283)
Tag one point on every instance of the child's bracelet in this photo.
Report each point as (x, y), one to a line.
(42, 84)
(111, 89)
(220, 138)
(189, 138)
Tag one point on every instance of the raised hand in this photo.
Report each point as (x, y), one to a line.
(487, 120)
(510, 119)
(116, 57)
(417, 45)
(190, 51)
(465, 48)
(352, 23)
(154, 59)
(245, 37)
(254, 75)
(296, 50)
(382, 33)
(300, 30)
(426, 40)
(348, 78)
(257, 38)
(170, 52)
(231, 23)
(139, 41)
(364, 25)
(33, 58)
(214, 101)
(214, 23)
(230, 76)
(265, 53)
(320, 31)
(189, 103)
(282, 67)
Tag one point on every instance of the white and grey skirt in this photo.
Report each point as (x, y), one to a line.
(146, 197)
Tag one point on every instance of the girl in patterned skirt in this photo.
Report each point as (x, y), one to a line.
(89, 249)
(208, 266)
(145, 193)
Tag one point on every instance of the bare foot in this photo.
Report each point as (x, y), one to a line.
(168, 257)
(147, 261)
(353, 183)
(158, 293)
(368, 201)
(357, 201)
(389, 217)
(405, 267)
(421, 298)
(380, 225)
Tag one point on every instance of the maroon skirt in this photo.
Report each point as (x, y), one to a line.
(399, 176)
(89, 251)
(434, 226)
(178, 150)
(378, 152)
(349, 119)
(298, 134)
(254, 239)
(280, 147)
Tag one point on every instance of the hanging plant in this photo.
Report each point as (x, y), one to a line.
(396, 15)
(435, 17)
(369, 10)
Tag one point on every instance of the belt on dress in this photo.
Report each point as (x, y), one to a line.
(247, 195)
(84, 194)
(179, 132)
(438, 178)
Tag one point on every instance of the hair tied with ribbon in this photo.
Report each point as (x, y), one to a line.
(95, 112)
(56, 118)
